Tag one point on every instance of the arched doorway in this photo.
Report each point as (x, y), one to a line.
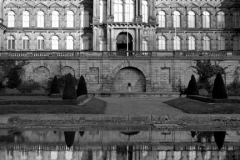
(129, 79)
(124, 40)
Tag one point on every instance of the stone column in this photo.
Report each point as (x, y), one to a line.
(108, 7)
(108, 39)
(1, 11)
(137, 39)
(94, 39)
(113, 41)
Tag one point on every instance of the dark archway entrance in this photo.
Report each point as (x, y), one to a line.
(123, 39)
(129, 79)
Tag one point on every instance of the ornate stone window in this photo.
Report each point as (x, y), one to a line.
(25, 19)
(177, 43)
(162, 19)
(11, 19)
(221, 43)
(129, 11)
(85, 43)
(54, 43)
(206, 43)
(55, 19)
(69, 42)
(191, 19)
(161, 43)
(103, 9)
(40, 42)
(236, 19)
(118, 11)
(84, 19)
(206, 19)
(145, 11)
(191, 43)
(176, 19)
(40, 19)
(25, 43)
(221, 20)
(70, 19)
(11, 42)
(236, 43)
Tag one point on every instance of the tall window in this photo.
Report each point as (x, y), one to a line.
(84, 19)
(25, 42)
(161, 19)
(102, 46)
(191, 19)
(55, 19)
(191, 43)
(103, 9)
(176, 19)
(236, 19)
(25, 19)
(176, 43)
(54, 43)
(40, 19)
(206, 43)
(129, 10)
(40, 43)
(162, 43)
(220, 20)
(11, 19)
(70, 19)
(118, 11)
(206, 19)
(85, 43)
(145, 45)
(69, 42)
(221, 43)
(145, 11)
(11, 42)
(236, 43)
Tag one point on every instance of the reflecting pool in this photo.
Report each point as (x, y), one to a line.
(119, 145)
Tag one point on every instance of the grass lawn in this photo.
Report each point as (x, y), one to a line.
(197, 107)
(94, 106)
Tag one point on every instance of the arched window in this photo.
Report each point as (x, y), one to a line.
(221, 43)
(103, 9)
(25, 42)
(118, 11)
(55, 19)
(11, 19)
(40, 19)
(85, 43)
(40, 43)
(54, 43)
(145, 11)
(206, 43)
(221, 20)
(236, 19)
(176, 19)
(176, 43)
(70, 19)
(84, 19)
(129, 10)
(191, 43)
(236, 43)
(11, 42)
(191, 19)
(69, 42)
(25, 19)
(206, 19)
(161, 19)
(161, 43)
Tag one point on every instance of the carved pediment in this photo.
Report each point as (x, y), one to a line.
(192, 5)
(236, 5)
(177, 5)
(26, 5)
(70, 5)
(11, 5)
(55, 5)
(162, 5)
(41, 5)
(223, 5)
(206, 5)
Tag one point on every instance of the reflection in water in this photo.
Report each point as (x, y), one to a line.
(116, 145)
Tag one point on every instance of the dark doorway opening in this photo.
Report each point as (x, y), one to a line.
(124, 39)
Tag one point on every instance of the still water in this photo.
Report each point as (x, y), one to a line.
(119, 145)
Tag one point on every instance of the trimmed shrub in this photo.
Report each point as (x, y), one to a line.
(219, 89)
(69, 89)
(192, 87)
(29, 86)
(55, 89)
(13, 78)
(82, 87)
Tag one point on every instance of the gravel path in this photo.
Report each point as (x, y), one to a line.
(139, 106)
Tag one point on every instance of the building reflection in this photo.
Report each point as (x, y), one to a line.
(115, 145)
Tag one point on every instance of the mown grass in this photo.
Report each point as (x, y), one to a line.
(94, 106)
(196, 107)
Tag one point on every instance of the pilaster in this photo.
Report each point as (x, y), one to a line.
(108, 39)
(113, 41)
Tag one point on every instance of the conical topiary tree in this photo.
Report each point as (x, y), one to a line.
(192, 87)
(82, 87)
(219, 89)
(55, 89)
(69, 89)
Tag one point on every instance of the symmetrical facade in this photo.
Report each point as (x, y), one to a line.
(121, 45)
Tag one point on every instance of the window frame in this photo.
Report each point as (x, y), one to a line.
(161, 19)
(11, 43)
(191, 19)
(40, 43)
(25, 19)
(25, 43)
(57, 42)
(55, 19)
(206, 44)
(69, 42)
(191, 43)
(162, 43)
(206, 18)
(176, 19)
(11, 19)
(70, 19)
(40, 19)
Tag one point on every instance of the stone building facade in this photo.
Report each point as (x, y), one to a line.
(121, 45)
